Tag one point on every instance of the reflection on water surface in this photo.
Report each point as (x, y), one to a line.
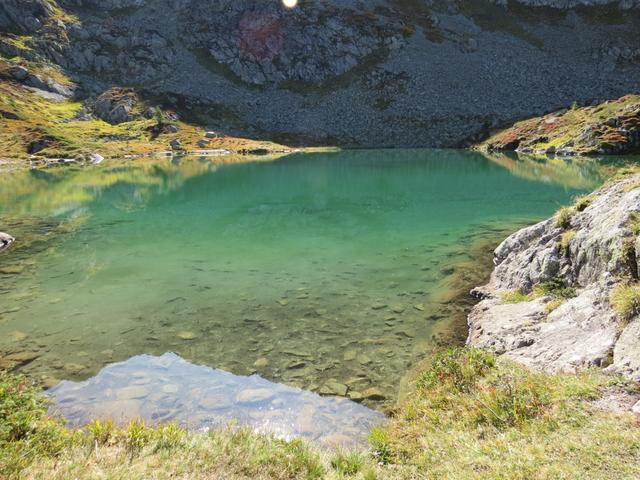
(167, 388)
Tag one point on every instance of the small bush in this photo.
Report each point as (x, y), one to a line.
(26, 432)
(563, 217)
(101, 432)
(169, 436)
(511, 401)
(553, 304)
(458, 368)
(380, 445)
(628, 254)
(137, 436)
(625, 300)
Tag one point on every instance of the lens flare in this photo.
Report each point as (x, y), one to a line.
(290, 3)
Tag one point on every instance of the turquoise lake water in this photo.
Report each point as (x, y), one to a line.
(321, 271)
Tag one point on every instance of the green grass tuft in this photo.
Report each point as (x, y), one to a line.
(583, 202)
(563, 217)
(625, 300)
(516, 296)
(565, 241)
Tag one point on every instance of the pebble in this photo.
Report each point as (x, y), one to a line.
(419, 307)
(398, 309)
(296, 364)
(22, 358)
(378, 306)
(170, 388)
(349, 355)
(186, 335)
(261, 362)
(11, 269)
(363, 359)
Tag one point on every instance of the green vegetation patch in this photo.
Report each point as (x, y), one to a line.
(497, 420)
(625, 300)
(471, 416)
(556, 287)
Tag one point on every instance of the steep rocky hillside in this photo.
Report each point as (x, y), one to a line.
(381, 73)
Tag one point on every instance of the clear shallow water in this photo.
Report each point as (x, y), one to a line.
(167, 388)
(325, 272)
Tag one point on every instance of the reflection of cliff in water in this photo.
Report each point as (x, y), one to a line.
(571, 172)
(132, 183)
(168, 388)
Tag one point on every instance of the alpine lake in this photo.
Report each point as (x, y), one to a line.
(329, 273)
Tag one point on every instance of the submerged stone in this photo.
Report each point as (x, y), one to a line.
(333, 387)
(187, 335)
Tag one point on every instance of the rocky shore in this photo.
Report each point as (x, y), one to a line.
(564, 293)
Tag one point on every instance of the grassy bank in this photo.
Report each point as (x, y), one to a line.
(469, 416)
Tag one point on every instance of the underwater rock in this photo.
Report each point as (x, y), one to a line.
(254, 395)
(186, 335)
(5, 240)
(73, 368)
(261, 362)
(333, 387)
(373, 393)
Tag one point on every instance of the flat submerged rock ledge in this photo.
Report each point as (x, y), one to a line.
(590, 252)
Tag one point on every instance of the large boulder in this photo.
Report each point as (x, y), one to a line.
(591, 252)
(116, 106)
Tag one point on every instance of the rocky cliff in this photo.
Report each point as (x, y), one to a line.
(564, 294)
(382, 73)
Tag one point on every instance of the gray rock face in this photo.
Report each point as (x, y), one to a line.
(583, 331)
(24, 16)
(352, 73)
